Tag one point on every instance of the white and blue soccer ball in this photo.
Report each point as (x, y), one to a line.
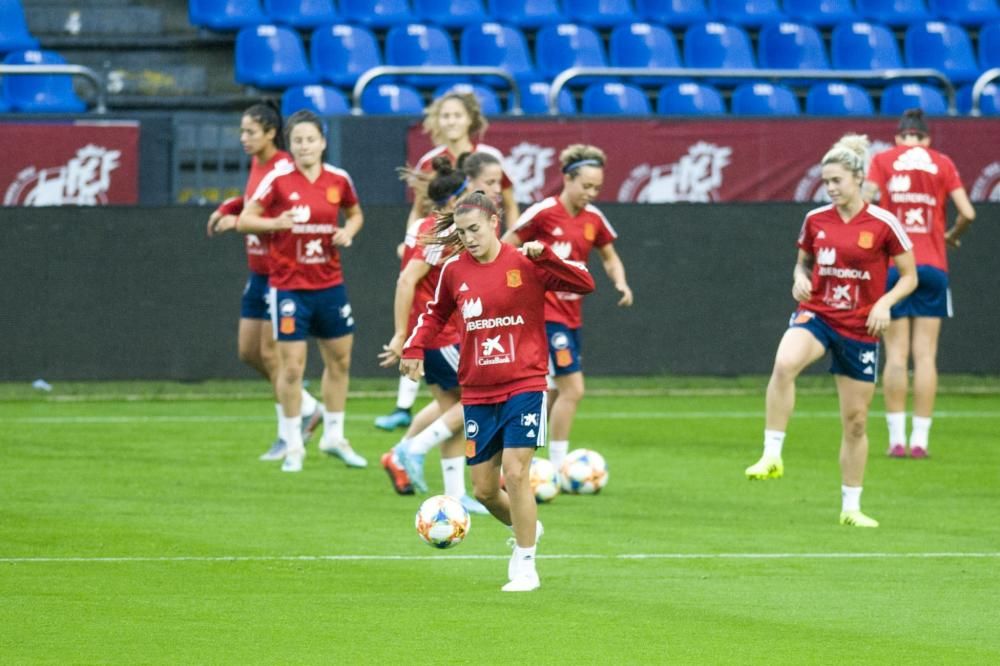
(544, 480)
(584, 472)
(442, 521)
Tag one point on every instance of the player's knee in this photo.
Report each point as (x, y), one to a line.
(248, 354)
(855, 423)
(784, 370)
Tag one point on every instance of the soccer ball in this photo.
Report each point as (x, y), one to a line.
(584, 472)
(442, 521)
(544, 480)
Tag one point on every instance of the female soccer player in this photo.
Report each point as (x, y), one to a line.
(500, 293)
(914, 183)
(572, 226)
(260, 136)
(300, 206)
(839, 282)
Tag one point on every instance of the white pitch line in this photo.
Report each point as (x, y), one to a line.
(452, 557)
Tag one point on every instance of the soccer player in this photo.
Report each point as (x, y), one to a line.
(260, 136)
(839, 281)
(300, 207)
(499, 292)
(572, 226)
(913, 182)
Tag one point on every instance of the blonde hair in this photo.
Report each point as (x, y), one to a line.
(580, 155)
(478, 122)
(850, 152)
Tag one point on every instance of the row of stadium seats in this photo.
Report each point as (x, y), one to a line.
(38, 93)
(224, 15)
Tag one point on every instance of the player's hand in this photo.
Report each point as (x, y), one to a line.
(412, 368)
(391, 352)
(626, 299)
(220, 224)
(400, 249)
(951, 239)
(532, 249)
(341, 238)
(801, 289)
(284, 221)
(878, 319)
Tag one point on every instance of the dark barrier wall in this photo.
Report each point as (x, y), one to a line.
(121, 293)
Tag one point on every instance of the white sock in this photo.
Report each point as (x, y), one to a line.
(406, 395)
(524, 560)
(291, 432)
(333, 426)
(921, 429)
(429, 437)
(773, 441)
(897, 427)
(453, 471)
(277, 409)
(850, 497)
(309, 403)
(558, 448)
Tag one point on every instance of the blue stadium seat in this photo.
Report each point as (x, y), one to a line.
(376, 13)
(690, 99)
(341, 53)
(488, 100)
(615, 99)
(764, 99)
(753, 13)
(989, 46)
(600, 13)
(788, 45)
(535, 99)
(943, 46)
(41, 93)
(300, 13)
(862, 45)
(497, 45)
(717, 45)
(643, 45)
(4, 106)
(899, 97)
(225, 15)
(821, 13)
(449, 13)
(559, 47)
(391, 99)
(989, 101)
(672, 12)
(323, 100)
(272, 56)
(893, 12)
(416, 45)
(526, 13)
(14, 35)
(838, 99)
(966, 12)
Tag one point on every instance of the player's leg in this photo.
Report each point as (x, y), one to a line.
(412, 451)
(486, 485)
(895, 378)
(524, 516)
(570, 388)
(336, 352)
(926, 332)
(401, 416)
(855, 399)
(291, 368)
(390, 459)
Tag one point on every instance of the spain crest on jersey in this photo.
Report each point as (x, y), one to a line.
(333, 195)
(866, 240)
(514, 278)
(589, 231)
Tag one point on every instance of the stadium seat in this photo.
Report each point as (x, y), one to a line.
(989, 101)
(526, 13)
(225, 15)
(535, 99)
(893, 12)
(449, 13)
(690, 99)
(376, 13)
(272, 56)
(488, 100)
(300, 13)
(899, 97)
(41, 93)
(323, 100)
(559, 47)
(752, 13)
(615, 99)
(4, 106)
(496, 45)
(965, 12)
(341, 53)
(14, 35)
(838, 99)
(822, 13)
(416, 45)
(764, 99)
(718, 46)
(989, 46)
(391, 99)
(862, 45)
(599, 13)
(672, 12)
(643, 45)
(942, 46)
(788, 45)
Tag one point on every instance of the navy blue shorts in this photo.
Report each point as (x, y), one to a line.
(851, 358)
(441, 367)
(518, 423)
(564, 348)
(256, 293)
(931, 298)
(321, 313)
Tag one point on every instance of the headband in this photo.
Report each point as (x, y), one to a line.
(582, 163)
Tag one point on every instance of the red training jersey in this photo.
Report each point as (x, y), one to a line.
(914, 183)
(435, 256)
(569, 237)
(256, 245)
(851, 263)
(425, 162)
(502, 304)
(305, 257)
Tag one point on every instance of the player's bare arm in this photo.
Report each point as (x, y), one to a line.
(615, 270)
(252, 220)
(965, 217)
(354, 219)
(802, 276)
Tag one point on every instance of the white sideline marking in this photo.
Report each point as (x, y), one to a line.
(442, 556)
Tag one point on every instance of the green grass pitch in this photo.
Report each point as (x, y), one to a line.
(137, 526)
